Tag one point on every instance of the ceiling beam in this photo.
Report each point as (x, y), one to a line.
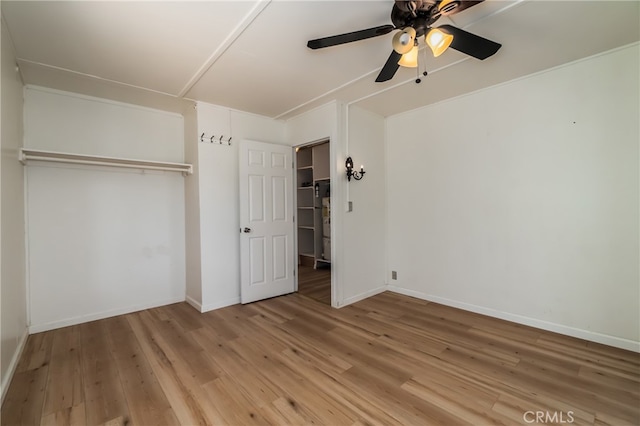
(226, 44)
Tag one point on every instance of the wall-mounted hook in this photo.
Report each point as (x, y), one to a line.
(212, 139)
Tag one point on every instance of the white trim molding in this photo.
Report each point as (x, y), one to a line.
(221, 304)
(37, 328)
(591, 336)
(362, 296)
(6, 380)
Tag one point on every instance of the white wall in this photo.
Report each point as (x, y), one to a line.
(219, 203)
(63, 121)
(101, 241)
(521, 201)
(192, 210)
(12, 227)
(358, 239)
(315, 125)
(364, 227)
(219, 200)
(326, 122)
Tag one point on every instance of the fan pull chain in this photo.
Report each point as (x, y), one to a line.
(424, 73)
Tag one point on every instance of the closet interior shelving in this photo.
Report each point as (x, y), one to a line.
(313, 185)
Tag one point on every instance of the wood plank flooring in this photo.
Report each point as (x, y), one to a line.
(387, 360)
(315, 283)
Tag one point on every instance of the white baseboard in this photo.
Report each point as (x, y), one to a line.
(37, 328)
(362, 296)
(212, 306)
(193, 302)
(220, 304)
(591, 336)
(6, 379)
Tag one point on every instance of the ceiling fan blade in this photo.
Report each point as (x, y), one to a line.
(390, 67)
(471, 44)
(350, 37)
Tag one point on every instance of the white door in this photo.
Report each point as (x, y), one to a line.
(267, 258)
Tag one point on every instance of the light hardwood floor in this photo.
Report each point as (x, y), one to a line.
(389, 360)
(315, 283)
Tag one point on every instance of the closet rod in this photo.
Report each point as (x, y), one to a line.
(27, 155)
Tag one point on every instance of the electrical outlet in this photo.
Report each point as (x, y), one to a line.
(394, 275)
(349, 206)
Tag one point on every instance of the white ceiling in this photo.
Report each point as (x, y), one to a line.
(252, 55)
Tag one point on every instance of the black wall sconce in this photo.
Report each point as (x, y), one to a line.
(349, 165)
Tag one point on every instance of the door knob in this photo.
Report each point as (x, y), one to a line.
(246, 230)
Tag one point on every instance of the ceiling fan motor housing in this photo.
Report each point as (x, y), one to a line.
(408, 5)
(420, 18)
(447, 7)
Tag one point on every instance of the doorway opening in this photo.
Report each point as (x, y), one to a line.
(313, 220)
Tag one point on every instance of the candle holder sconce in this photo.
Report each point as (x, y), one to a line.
(350, 173)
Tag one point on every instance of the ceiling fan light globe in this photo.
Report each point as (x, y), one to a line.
(438, 41)
(403, 40)
(410, 59)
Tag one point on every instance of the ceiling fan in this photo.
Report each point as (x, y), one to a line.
(414, 19)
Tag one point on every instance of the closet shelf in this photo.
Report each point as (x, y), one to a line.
(314, 169)
(26, 155)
